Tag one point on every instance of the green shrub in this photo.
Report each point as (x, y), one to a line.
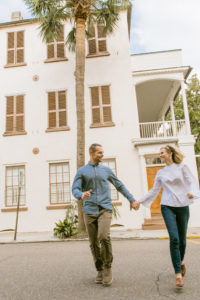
(67, 227)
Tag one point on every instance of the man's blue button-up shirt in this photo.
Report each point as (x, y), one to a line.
(97, 178)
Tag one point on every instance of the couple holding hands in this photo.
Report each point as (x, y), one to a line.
(180, 188)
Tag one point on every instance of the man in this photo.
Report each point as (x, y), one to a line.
(91, 184)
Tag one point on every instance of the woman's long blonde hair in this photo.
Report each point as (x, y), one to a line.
(177, 156)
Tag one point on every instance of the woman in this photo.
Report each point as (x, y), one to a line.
(180, 188)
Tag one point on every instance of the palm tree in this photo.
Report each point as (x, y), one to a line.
(83, 14)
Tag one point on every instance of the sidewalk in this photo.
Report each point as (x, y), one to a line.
(116, 234)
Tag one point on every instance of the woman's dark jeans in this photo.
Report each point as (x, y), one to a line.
(176, 220)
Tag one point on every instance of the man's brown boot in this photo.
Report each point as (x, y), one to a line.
(99, 278)
(107, 277)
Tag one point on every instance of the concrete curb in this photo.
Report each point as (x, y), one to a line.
(86, 239)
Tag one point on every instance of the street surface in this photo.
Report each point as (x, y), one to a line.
(142, 270)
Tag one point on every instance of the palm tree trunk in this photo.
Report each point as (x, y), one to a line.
(80, 108)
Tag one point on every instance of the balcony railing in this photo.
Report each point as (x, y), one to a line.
(162, 129)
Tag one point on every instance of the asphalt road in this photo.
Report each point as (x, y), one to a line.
(64, 271)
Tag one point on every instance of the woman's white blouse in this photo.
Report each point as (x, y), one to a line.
(177, 181)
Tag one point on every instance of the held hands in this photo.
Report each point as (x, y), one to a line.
(86, 195)
(135, 205)
(190, 196)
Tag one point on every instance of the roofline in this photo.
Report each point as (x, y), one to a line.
(19, 22)
(154, 52)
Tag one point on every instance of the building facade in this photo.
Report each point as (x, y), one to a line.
(126, 99)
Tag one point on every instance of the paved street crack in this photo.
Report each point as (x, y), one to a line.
(157, 282)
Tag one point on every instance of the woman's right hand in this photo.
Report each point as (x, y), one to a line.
(190, 196)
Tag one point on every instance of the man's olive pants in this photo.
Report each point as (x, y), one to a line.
(98, 228)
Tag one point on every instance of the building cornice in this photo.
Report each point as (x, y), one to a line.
(181, 69)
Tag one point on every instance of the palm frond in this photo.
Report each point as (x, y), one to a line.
(51, 14)
(71, 40)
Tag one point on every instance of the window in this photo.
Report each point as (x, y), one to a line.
(97, 41)
(101, 106)
(59, 177)
(15, 178)
(56, 48)
(57, 111)
(15, 54)
(15, 115)
(111, 163)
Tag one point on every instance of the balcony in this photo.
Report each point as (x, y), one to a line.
(163, 129)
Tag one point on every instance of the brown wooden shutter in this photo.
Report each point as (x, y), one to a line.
(95, 96)
(92, 46)
(19, 113)
(10, 114)
(60, 50)
(62, 106)
(101, 42)
(102, 45)
(96, 115)
(11, 52)
(52, 108)
(52, 101)
(50, 51)
(20, 39)
(62, 100)
(62, 119)
(95, 105)
(107, 114)
(61, 35)
(100, 30)
(105, 91)
(20, 44)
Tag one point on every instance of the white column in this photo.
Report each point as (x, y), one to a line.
(173, 117)
(164, 125)
(144, 183)
(185, 106)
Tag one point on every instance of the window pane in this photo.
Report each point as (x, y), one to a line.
(59, 177)
(53, 178)
(66, 177)
(53, 188)
(66, 188)
(65, 167)
(66, 197)
(59, 168)
(52, 168)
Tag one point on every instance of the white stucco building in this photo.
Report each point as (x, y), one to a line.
(126, 99)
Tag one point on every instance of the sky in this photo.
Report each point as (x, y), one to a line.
(157, 25)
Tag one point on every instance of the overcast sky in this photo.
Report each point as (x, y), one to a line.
(156, 25)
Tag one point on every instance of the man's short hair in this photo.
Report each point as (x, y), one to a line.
(93, 147)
